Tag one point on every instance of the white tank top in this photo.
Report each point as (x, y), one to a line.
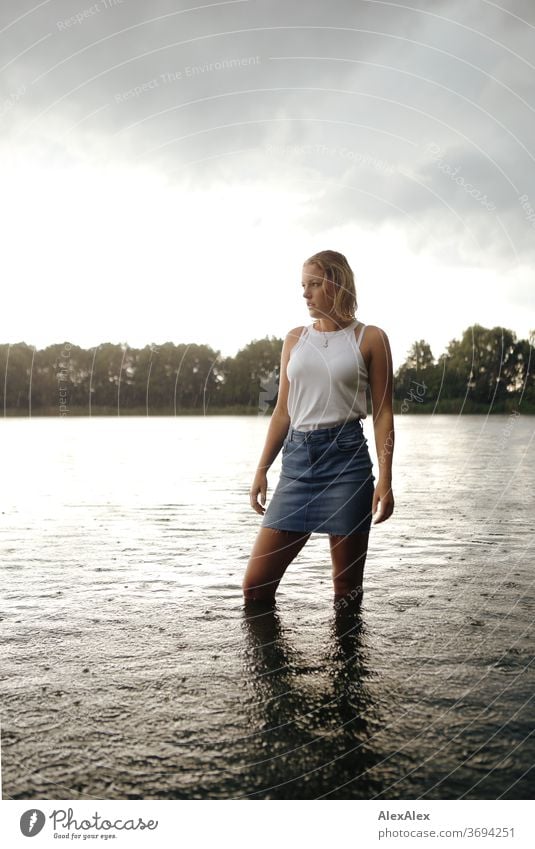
(327, 384)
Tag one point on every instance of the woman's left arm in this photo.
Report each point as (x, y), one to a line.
(380, 378)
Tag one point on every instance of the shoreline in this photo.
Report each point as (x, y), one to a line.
(447, 408)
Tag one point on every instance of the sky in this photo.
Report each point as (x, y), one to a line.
(167, 167)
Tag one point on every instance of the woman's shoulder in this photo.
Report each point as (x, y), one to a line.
(373, 342)
(295, 332)
(290, 341)
(373, 332)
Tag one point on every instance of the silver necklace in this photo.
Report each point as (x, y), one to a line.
(325, 340)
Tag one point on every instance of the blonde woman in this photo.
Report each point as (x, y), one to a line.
(326, 483)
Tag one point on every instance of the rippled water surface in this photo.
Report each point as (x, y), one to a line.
(132, 669)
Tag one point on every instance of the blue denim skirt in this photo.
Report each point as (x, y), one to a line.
(326, 483)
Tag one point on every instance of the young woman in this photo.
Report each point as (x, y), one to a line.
(326, 483)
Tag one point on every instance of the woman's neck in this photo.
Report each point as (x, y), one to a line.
(328, 325)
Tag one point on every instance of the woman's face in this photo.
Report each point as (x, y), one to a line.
(319, 303)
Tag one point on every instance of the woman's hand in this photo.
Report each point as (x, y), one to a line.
(384, 498)
(259, 486)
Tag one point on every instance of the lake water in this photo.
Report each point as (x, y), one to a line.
(133, 670)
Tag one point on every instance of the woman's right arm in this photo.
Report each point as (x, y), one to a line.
(278, 425)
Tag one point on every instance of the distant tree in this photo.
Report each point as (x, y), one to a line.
(482, 364)
(416, 380)
(488, 366)
(105, 376)
(195, 377)
(420, 357)
(524, 371)
(15, 376)
(248, 372)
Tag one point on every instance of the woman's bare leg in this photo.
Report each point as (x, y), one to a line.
(348, 555)
(272, 553)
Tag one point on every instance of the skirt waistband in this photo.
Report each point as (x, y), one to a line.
(326, 434)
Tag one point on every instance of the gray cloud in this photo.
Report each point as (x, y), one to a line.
(422, 118)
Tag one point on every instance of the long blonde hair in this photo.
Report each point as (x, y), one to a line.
(337, 271)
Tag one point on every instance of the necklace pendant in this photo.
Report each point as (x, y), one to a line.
(326, 343)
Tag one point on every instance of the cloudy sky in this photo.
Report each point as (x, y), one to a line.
(166, 167)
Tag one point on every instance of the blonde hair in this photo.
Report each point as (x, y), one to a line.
(336, 270)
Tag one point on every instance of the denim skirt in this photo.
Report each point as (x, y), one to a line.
(326, 483)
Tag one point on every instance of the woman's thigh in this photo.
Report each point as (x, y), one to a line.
(348, 555)
(272, 553)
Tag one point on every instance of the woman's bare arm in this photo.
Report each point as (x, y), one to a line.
(280, 419)
(277, 428)
(380, 377)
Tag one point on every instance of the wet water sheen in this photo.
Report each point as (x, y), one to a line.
(132, 669)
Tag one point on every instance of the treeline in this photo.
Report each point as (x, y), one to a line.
(487, 370)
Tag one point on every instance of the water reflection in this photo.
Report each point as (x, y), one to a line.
(125, 568)
(311, 723)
